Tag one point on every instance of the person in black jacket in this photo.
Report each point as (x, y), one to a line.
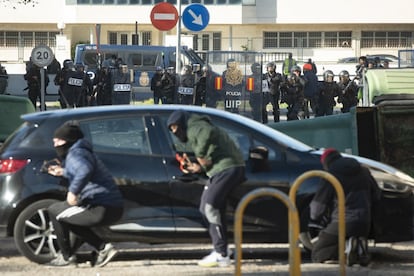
(93, 199)
(360, 190)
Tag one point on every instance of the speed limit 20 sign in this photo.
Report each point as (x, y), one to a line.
(42, 55)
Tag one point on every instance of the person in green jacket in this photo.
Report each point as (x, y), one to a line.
(219, 157)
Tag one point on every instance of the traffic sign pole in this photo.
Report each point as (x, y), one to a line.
(178, 49)
(42, 56)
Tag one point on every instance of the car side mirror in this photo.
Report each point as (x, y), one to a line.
(259, 158)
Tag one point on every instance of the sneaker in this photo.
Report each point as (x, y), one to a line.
(215, 259)
(60, 261)
(351, 251)
(105, 255)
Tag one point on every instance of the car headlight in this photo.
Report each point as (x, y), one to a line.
(390, 186)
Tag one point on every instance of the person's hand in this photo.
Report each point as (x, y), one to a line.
(55, 170)
(71, 198)
(204, 162)
(193, 167)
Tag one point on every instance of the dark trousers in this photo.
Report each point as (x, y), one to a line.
(80, 220)
(326, 248)
(213, 204)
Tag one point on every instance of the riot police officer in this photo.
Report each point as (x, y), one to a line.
(274, 80)
(328, 90)
(3, 79)
(121, 93)
(169, 85)
(349, 92)
(310, 90)
(33, 79)
(257, 100)
(213, 94)
(293, 95)
(201, 86)
(72, 86)
(156, 85)
(104, 84)
(59, 80)
(186, 87)
(87, 85)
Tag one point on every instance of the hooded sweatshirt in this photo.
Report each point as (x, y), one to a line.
(208, 141)
(89, 178)
(360, 191)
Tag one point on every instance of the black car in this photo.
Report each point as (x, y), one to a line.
(161, 202)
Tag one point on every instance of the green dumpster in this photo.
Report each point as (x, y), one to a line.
(11, 108)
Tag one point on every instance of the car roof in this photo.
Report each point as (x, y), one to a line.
(108, 110)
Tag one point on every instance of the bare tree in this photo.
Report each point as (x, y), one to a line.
(15, 3)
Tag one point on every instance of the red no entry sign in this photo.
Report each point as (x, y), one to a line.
(164, 16)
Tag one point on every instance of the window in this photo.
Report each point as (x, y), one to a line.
(392, 39)
(306, 39)
(315, 39)
(118, 135)
(285, 39)
(345, 39)
(331, 39)
(27, 39)
(124, 39)
(216, 41)
(380, 40)
(242, 138)
(113, 38)
(270, 40)
(205, 42)
(146, 38)
(301, 40)
(12, 39)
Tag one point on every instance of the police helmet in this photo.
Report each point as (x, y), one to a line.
(80, 66)
(256, 68)
(344, 76)
(296, 68)
(271, 65)
(68, 64)
(171, 70)
(328, 76)
(291, 78)
(231, 62)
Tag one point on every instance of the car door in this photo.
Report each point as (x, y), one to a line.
(124, 144)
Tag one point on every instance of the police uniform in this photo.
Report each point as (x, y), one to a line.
(329, 89)
(349, 92)
(274, 80)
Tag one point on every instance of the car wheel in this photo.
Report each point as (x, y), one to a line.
(33, 232)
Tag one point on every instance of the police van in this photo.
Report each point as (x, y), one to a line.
(141, 59)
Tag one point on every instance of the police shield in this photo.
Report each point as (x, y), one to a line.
(121, 90)
(234, 83)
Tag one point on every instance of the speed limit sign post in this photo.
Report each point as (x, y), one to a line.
(42, 56)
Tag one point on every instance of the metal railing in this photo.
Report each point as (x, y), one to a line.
(290, 202)
(294, 252)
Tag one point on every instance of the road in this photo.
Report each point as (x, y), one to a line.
(171, 260)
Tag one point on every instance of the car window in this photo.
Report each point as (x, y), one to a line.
(246, 141)
(241, 136)
(126, 135)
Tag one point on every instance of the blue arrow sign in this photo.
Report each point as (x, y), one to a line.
(195, 17)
